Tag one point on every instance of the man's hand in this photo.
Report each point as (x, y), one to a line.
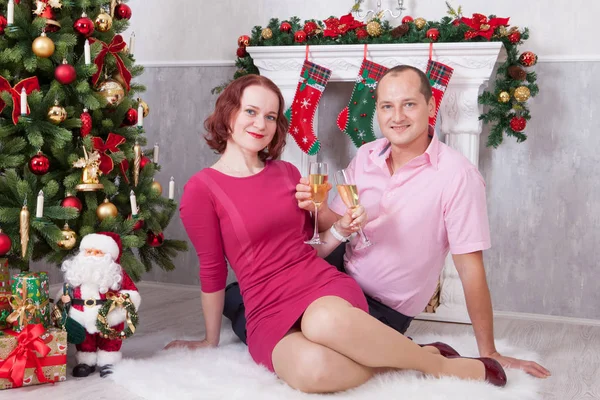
(531, 367)
(304, 196)
(351, 221)
(189, 344)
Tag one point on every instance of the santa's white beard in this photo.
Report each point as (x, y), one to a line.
(97, 270)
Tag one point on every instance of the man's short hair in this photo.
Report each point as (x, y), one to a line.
(425, 88)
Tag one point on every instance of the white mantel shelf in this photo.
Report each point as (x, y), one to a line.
(459, 112)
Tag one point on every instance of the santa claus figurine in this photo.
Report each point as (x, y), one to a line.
(92, 273)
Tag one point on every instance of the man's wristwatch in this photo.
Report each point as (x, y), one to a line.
(338, 235)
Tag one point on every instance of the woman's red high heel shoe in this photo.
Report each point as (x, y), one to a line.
(494, 373)
(444, 349)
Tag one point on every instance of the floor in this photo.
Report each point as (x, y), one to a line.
(570, 351)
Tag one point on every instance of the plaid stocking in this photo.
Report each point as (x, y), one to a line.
(356, 120)
(439, 75)
(313, 79)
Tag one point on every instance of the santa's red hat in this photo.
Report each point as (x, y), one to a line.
(108, 242)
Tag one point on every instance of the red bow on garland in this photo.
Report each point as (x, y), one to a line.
(13, 368)
(335, 27)
(117, 45)
(482, 26)
(30, 84)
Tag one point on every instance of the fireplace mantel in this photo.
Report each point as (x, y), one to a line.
(458, 121)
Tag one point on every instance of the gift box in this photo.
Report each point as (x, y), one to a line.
(30, 300)
(5, 292)
(32, 356)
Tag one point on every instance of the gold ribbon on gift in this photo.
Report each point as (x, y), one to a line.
(120, 300)
(24, 308)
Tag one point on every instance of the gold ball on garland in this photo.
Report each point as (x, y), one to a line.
(57, 114)
(504, 97)
(106, 209)
(157, 187)
(43, 46)
(522, 94)
(144, 107)
(420, 23)
(374, 28)
(111, 91)
(69, 238)
(528, 59)
(266, 33)
(104, 22)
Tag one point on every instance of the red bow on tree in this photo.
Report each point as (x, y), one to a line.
(29, 341)
(117, 45)
(482, 26)
(30, 84)
(112, 141)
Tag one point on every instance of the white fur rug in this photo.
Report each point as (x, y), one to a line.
(228, 372)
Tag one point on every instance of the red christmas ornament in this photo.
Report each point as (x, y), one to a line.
(131, 117)
(407, 19)
(241, 52)
(243, 41)
(144, 161)
(122, 11)
(515, 37)
(310, 28)
(300, 37)
(65, 73)
(84, 26)
(5, 243)
(518, 124)
(39, 164)
(285, 27)
(155, 240)
(72, 201)
(86, 123)
(139, 223)
(361, 34)
(528, 59)
(433, 34)
(3, 24)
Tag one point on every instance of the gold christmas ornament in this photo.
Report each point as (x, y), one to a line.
(57, 114)
(144, 107)
(106, 209)
(43, 46)
(69, 238)
(374, 28)
(24, 229)
(420, 23)
(112, 91)
(504, 97)
(157, 187)
(91, 171)
(137, 162)
(522, 94)
(266, 33)
(103, 22)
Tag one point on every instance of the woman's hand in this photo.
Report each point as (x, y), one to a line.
(189, 344)
(352, 220)
(304, 196)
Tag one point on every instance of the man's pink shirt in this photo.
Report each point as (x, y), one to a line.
(434, 204)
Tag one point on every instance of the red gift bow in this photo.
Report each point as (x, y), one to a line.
(117, 45)
(112, 141)
(13, 368)
(481, 26)
(30, 84)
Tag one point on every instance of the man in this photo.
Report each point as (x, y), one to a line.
(89, 276)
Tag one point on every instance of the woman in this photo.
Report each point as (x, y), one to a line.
(306, 321)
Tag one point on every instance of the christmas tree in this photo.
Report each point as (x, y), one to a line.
(71, 137)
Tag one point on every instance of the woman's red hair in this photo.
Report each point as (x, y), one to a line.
(218, 124)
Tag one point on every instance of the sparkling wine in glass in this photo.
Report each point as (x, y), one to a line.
(317, 180)
(348, 191)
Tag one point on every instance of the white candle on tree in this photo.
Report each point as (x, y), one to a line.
(10, 12)
(133, 203)
(155, 159)
(172, 189)
(23, 102)
(140, 121)
(87, 52)
(39, 210)
(131, 42)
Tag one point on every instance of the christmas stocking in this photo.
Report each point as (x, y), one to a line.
(356, 120)
(439, 75)
(313, 79)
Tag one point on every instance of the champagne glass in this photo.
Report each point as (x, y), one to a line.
(346, 187)
(317, 179)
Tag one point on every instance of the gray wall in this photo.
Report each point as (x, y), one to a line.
(542, 193)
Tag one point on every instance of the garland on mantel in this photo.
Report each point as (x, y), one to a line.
(507, 110)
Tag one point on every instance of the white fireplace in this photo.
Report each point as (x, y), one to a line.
(458, 119)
